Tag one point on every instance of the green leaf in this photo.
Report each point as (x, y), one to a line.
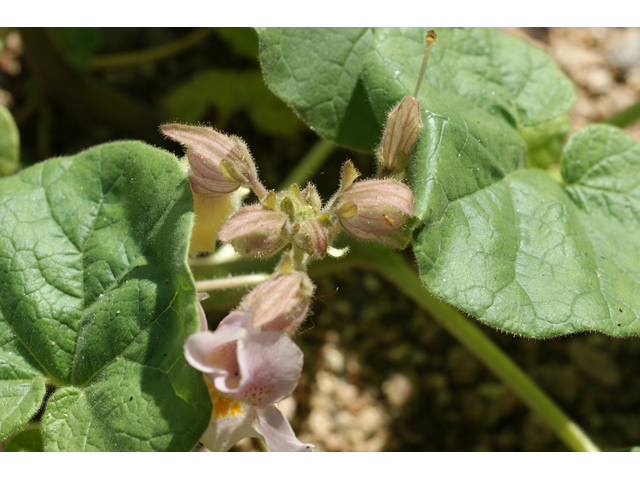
(533, 257)
(9, 143)
(19, 401)
(28, 440)
(317, 72)
(545, 141)
(22, 387)
(344, 81)
(230, 91)
(517, 247)
(96, 297)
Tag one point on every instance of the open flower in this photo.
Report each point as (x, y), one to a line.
(248, 370)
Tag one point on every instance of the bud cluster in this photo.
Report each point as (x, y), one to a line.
(375, 210)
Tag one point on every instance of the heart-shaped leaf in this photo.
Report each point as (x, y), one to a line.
(534, 257)
(517, 247)
(96, 299)
(19, 401)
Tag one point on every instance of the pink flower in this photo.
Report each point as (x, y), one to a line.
(248, 370)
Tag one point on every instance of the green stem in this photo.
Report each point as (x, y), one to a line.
(151, 54)
(626, 117)
(308, 166)
(226, 283)
(392, 266)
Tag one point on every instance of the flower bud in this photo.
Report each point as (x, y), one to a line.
(255, 231)
(400, 134)
(374, 209)
(312, 237)
(206, 149)
(280, 303)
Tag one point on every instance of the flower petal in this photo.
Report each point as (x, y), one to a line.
(231, 421)
(215, 353)
(270, 365)
(207, 351)
(277, 432)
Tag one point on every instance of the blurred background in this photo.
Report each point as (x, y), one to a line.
(379, 374)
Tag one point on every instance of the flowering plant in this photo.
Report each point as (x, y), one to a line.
(105, 255)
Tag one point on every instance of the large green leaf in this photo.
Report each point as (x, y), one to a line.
(500, 75)
(504, 242)
(9, 143)
(96, 298)
(537, 258)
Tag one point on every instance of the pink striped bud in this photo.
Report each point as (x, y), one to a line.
(312, 237)
(280, 303)
(311, 197)
(400, 134)
(375, 210)
(208, 153)
(255, 231)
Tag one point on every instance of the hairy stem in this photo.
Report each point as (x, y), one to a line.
(393, 267)
(231, 282)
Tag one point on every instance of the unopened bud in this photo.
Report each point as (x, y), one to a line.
(400, 134)
(206, 149)
(312, 237)
(206, 178)
(375, 209)
(280, 303)
(255, 231)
